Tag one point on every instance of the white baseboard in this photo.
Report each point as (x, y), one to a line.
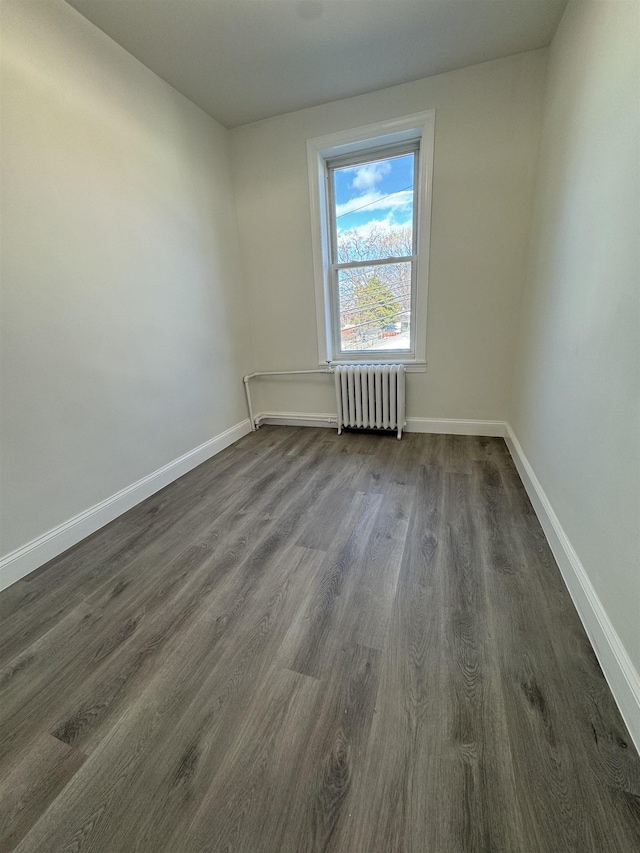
(39, 551)
(428, 425)
(618, 669)
(456, 426)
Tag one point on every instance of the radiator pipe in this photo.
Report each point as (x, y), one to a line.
(248, 393)
(245, 379)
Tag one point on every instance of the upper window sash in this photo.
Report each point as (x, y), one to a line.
(362, 158)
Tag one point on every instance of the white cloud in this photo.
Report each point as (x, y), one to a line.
(386, 224)
(375, 201)
(369, 175)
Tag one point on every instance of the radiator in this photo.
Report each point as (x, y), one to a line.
(370, 396)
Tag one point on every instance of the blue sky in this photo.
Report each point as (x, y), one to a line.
(375, 192)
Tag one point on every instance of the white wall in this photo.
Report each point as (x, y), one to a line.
(123, 315)
(487, 136)
(577, 382)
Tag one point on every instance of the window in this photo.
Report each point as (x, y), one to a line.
(372, 222)
(370, 194)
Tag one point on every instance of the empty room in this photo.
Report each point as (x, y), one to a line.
(320, 426)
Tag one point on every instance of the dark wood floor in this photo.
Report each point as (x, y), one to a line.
(313, 643)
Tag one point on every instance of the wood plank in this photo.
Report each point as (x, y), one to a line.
(396, 795)
(325, 613)
(32, 783)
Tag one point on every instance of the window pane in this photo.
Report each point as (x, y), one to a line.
(374, 304)
(373, 208)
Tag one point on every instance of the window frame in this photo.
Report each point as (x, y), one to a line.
(325, 152)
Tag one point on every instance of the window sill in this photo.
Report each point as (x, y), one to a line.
(410, 366)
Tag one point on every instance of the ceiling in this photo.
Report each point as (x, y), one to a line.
(244, 60)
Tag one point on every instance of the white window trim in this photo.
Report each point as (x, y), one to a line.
(418, 126)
